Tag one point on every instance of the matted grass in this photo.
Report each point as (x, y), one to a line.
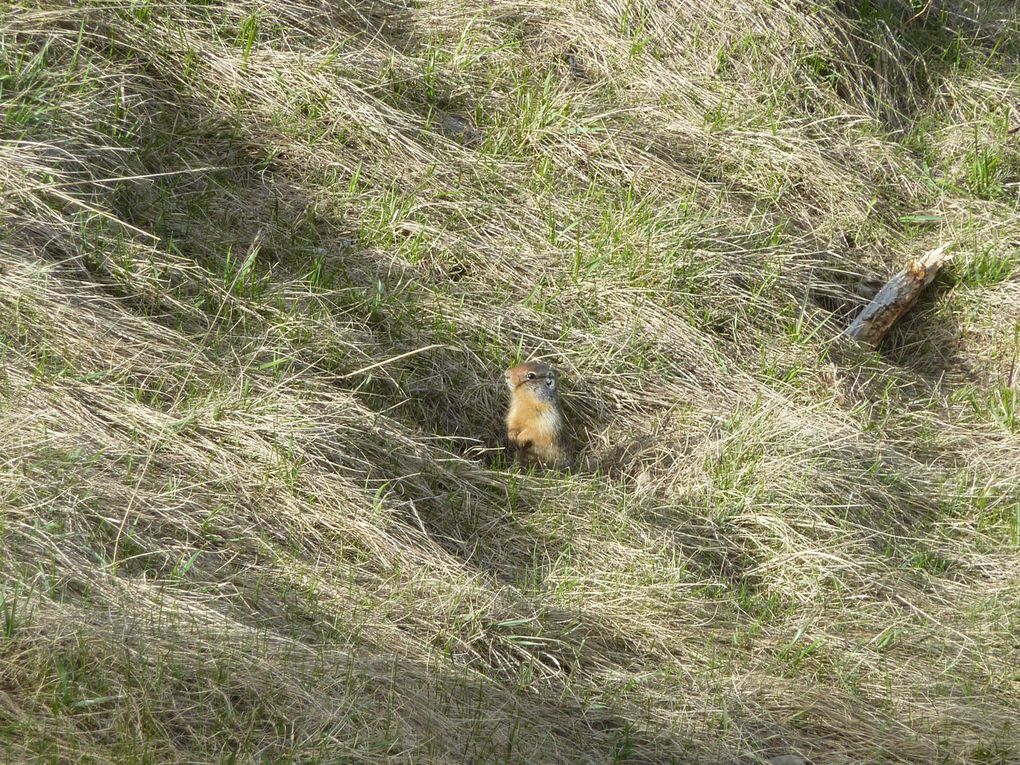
(262, 266)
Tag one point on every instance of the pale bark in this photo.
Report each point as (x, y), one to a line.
(898, 294)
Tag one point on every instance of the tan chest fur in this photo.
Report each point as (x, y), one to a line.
(536, 427)
(540, 420)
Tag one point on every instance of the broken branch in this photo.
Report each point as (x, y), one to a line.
(898, 294)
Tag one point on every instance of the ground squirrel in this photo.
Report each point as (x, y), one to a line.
(534, 422)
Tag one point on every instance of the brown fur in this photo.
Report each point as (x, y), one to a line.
(534, 421)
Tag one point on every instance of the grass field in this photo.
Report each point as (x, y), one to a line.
(262, 265)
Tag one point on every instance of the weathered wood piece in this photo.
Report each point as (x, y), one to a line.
(898, 294)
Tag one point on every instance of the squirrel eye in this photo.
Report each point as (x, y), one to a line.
(531, 375)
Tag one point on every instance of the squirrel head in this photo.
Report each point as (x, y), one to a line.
(538, 378)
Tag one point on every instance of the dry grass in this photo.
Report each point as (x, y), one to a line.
(262, 266)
